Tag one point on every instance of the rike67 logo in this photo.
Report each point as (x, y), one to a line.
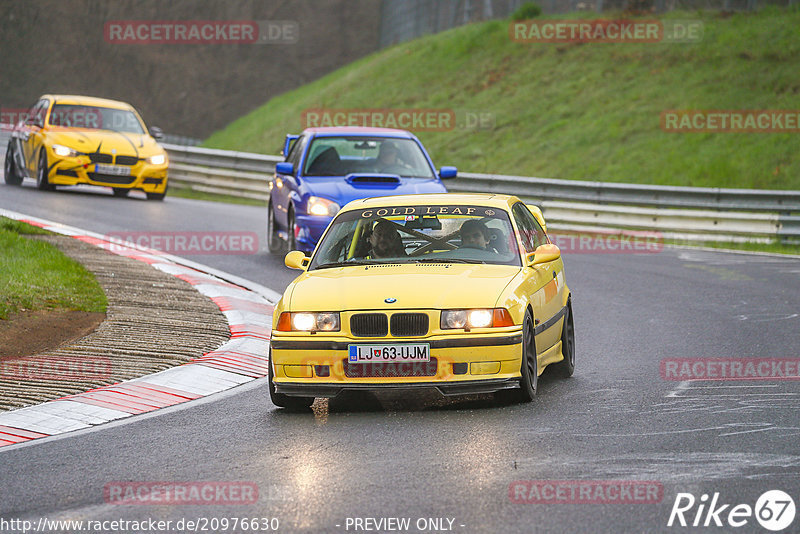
(774, 510)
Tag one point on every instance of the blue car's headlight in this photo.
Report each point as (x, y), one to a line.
(322, 207)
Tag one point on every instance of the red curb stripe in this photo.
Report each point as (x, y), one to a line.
(238, 365)
(164, 398)
(115, 402)
(197, 279)
(104, 404)
(232, 303)
(164, 389)
(231, 369)
(29, 434)
(3, 443)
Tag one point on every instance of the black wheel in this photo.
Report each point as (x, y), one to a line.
(42, 182)
(530, 368)
(274, 243)
(290, 228)
(157, 196)
(121, 192)
(285, 401)
(566, 367)
(12, 177)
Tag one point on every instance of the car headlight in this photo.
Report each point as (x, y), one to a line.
(158, 159)
(308, 322)
(64, 151)
(477, 318)
(322, 207)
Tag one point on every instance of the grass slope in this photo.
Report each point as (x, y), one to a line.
(36, 275)
(575, 111)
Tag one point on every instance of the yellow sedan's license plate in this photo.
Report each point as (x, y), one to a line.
(114, 170)
(389, 353)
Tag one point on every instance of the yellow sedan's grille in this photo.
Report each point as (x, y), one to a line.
(409, 324)
(377, 325)
(369, 325)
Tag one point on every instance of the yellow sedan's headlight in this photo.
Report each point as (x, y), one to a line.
(158, 159)
(64, 151)
(308, 322)
(478, 318)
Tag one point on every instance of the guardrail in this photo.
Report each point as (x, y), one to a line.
(690, 213)
(694, 213)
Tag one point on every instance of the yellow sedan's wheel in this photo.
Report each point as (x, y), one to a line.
(566, 367)
(42, 181)
(12, 177)
(530, 367)
(285, 401)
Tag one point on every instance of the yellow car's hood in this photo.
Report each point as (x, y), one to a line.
(105, 141)
(433, 286)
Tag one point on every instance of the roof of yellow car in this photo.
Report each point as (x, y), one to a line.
(88, 100)
(485, 199)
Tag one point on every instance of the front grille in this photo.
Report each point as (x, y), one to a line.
(68, 173)
(369, 325)
(390, 370)
(153, 180)
(409, 324)
(127, 160)
(111, 178)
(101, 158)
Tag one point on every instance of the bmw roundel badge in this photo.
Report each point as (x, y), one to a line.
(390, 300)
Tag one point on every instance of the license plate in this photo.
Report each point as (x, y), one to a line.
(389, 353)
(115, 170)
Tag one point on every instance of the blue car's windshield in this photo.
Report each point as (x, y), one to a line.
(340, 156)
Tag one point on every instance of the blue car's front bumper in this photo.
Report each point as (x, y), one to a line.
(309, 230)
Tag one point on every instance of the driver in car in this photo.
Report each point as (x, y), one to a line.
(388, 157)
(385, 241)
(475, 234)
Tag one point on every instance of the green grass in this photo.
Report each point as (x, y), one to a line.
(185, 192)
(575, 111)
(774, 247)
(35, 275)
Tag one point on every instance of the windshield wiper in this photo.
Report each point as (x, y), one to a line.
(344, 264)
(446, 260)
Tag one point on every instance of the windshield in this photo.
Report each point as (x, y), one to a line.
(409, 234)
(340, 156)
(95, 118)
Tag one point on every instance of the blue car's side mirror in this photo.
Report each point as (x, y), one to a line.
(448, 172)
(284, 168)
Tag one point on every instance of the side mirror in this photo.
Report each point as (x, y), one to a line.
(543, 254)
(284, 168)
(447, 172)
(296, 259)
(157, 133)
(537, 212)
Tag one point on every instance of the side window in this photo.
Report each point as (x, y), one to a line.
(36, 114)
(297, 149)
(531, 232)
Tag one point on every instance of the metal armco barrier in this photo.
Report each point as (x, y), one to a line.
(694, 213)
(691, 213)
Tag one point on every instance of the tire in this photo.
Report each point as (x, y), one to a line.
(292, 241)
(121, 192)
(42, 181)
(157, 196)
(529, 380)
(295, 404)
(566, 367)
(10, 174)
(274, 243)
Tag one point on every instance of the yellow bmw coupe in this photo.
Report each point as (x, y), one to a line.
(71, 140)
(459, 292)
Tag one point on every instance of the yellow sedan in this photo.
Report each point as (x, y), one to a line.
(463, 293)
(71, 140)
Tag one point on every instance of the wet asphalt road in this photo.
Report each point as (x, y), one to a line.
(449, 464)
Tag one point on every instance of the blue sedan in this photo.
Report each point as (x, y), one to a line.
(326, 168)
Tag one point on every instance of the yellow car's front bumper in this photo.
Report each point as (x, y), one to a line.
(80, 170)
(311, 367)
